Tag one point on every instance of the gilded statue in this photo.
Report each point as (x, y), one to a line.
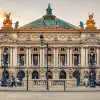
(7, 22)
(90, 22)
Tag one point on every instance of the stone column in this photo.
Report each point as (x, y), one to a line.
(54, 62)
(68, 57)
(11, 56)
(38, 60)
(57, 57)
(15, 56)
(29, 57)
(0, 56)
(86, 56)
(82, 56)
(79, 59)
(41, 60)
(43, 57)
(65, 59)
(71, 57)
(98, 56)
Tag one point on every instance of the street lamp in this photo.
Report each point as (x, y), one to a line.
(43, 43)
(5, 62)
(92, 80)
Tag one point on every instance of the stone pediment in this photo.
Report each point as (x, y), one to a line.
(7, 38)
(91, 39)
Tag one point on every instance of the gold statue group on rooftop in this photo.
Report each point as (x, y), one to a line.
(7, 23)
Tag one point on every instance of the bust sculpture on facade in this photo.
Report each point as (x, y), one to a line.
(7, 22)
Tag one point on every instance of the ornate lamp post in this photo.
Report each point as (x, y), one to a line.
(92, 80)
(5, 62)
(43, 43)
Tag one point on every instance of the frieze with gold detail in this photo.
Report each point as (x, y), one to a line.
(21, 36)
(35, 36)
(76, 36)
(62, 36)
(49, 36)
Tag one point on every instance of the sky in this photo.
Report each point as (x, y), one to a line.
(72, 11)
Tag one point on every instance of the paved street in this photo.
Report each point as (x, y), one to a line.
(49, 95)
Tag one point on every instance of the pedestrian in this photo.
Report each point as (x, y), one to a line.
(86, 81)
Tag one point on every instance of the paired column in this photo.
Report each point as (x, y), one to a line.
(71, 57)
(27, 50)
(68, 57)
(0, 57)
(98, 56)
(86, 56)
(54, 57)
(11, 56)
(82, 56)
(15, 56)
(29, 56)
(41, 57)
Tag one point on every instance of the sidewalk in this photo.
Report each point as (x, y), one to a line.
(74, 89)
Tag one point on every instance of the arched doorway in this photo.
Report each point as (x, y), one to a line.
(35, 75)
(6, 74)
(62, 75)
(20, 75)
(50, 75)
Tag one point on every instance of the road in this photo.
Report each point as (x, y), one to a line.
(49, 95)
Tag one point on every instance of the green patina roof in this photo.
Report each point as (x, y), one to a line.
(49, 20)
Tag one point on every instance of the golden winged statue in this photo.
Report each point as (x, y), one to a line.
(90, 22)
(7, 22)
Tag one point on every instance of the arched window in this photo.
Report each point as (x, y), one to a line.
(62, 75)
(35, 75)
(20, 75)
(50, 75)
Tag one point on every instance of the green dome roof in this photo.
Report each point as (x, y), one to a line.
(49, 20)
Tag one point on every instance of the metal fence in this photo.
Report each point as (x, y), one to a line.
(38, 84)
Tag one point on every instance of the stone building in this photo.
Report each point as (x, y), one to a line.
(69, 47)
